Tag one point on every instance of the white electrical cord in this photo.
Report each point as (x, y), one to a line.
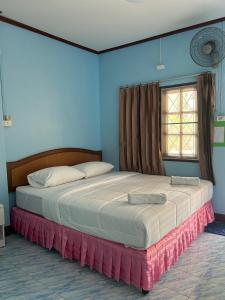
(160, 51)
(1, 87)
(221, 83)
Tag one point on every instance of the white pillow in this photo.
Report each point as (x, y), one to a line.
(94, 168)
(54, 176)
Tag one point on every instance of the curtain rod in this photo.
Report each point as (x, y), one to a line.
(169, 79)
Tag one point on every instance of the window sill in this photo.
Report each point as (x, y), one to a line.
(194, 160)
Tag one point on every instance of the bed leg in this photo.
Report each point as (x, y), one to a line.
(144, 292)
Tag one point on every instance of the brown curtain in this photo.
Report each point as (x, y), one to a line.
(206, 105)
(140, 129)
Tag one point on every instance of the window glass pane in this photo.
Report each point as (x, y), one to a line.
(189, 128)
(173, 128)
(191, 117)
(173, 145)
(189, 101)
(173, 98)
(189, 145)
(172, 118)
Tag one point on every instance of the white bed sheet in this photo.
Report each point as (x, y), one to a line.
(98, 206)
(30, 199)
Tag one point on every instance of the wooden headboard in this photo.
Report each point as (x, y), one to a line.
(17, 171)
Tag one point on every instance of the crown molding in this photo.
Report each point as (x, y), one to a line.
(188, 28)
(49, 35)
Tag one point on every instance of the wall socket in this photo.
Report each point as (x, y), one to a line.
(7, 121)
(160, 67)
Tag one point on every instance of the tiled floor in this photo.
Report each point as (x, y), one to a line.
(28, 271)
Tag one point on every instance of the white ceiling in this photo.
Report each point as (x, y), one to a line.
(101, 24)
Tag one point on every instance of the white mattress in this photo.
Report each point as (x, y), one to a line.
(98, 206)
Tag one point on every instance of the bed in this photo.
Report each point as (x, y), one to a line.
(91, 221)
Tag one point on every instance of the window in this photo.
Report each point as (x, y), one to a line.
(179, 122)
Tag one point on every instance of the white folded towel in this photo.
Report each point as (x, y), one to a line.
(134, 198)
(177, 180)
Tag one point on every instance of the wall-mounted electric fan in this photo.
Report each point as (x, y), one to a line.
(207, 47)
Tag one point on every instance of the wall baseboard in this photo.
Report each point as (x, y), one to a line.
(220, 217)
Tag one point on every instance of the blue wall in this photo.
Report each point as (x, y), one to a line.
(51, 90)
(4, 199)
(138, 64)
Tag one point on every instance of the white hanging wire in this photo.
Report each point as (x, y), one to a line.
(220, 88)
(221, 81)
(219, 84)
(217, 91)
(1, 87)
(218, 97)
(160, 51)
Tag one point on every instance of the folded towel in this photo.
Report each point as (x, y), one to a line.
(176, 180)
(135, 199)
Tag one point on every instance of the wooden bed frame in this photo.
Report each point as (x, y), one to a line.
(146, 261)
(17, 171)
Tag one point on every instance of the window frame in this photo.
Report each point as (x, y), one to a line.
(174, 158)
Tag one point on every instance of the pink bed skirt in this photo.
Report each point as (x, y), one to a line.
(140, 268)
